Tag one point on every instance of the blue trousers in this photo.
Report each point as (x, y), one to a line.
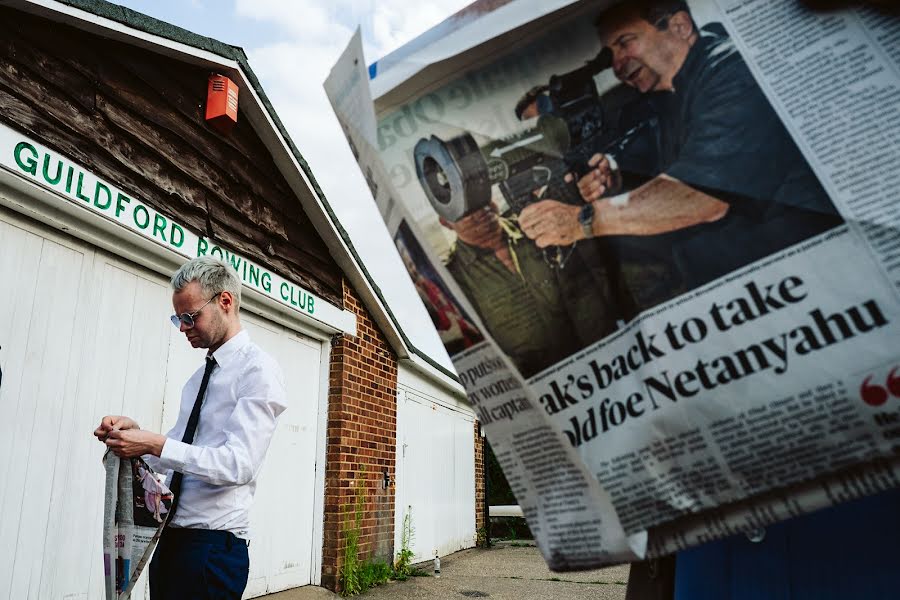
(198, 564)
(846, 552)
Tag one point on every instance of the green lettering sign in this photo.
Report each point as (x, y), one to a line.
(29, 165)
(108, 200)
(141, 216)
(235, 261)
(159, 227)
(176, 236)
(78, 193)
(59, 169)
(121, 201)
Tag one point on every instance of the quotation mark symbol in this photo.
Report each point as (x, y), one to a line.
(876, 395)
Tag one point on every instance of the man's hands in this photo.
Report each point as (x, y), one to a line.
(125, 438)
(135, 442)
(551, 223)
(602, 178)
(113, 423)
(661, 205)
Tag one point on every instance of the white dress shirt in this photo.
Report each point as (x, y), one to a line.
(237, 420)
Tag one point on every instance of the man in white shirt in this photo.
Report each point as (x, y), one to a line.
(229, 409)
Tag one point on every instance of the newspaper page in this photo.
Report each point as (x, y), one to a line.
(659, 241)
(136, 507)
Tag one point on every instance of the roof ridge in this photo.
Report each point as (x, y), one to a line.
(147, 24)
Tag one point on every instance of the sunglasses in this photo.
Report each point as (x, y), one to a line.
(188, 318)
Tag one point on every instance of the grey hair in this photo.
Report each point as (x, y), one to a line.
(212, 274)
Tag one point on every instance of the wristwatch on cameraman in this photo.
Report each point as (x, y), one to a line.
(586, 219)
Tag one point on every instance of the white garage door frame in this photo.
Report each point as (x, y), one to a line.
(47, 214)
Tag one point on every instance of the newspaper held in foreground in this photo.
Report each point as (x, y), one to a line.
(659, 241)
(135, 511)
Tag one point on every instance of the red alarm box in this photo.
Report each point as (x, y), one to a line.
(221, 103)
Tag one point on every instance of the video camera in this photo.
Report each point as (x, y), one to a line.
(575, 100)
(457, 174)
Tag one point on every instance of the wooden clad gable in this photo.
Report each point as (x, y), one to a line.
(137, 118)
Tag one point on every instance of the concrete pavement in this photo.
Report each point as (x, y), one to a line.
(505, 572)
(309, 592)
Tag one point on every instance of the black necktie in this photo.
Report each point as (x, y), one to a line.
(189, 432)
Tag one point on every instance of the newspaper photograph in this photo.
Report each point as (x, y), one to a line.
(659, 241)
(136, 508)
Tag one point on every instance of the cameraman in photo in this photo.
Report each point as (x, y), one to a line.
(537, 314)
(717, 134)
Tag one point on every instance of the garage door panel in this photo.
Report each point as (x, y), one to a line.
(112, 318)
(47, 347)
(139, 347)
(66, 546)
(183, 361)
(76, 492)
(436, 483)
(148, 352)
(45, 379)
(108, 377)
(446, 484)
(132, 353)
(18, 287)
(464, 452)
(283, 512)
(296, 437)
(419, 475)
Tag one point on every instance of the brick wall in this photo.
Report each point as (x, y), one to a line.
(362, 442)
(479, 483)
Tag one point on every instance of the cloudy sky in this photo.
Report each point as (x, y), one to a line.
(292, 45)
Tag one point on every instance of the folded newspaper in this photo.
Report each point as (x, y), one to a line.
(135, 511)
(659, 240)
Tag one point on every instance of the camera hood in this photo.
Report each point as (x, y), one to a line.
(453, 174)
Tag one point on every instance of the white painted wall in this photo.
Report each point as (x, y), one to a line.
(435, 467)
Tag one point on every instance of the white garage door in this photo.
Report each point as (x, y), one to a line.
(283, 544)
(83, 334)
(435, 476)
